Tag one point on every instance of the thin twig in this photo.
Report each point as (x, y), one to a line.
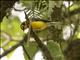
(26, 52)
(42, 46)
(14, 47)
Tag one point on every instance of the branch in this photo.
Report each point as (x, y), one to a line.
(42, 46)
(26, 52)
(14, 47)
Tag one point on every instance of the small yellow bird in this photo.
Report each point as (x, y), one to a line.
(36, 25)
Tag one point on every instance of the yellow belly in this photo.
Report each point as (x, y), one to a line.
(38, 25)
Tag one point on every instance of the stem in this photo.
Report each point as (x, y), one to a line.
(26, 52)
(14, 47)
(42, 46)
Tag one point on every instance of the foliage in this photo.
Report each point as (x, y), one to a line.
(59, 16)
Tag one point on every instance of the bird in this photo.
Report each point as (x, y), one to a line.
(35, 24)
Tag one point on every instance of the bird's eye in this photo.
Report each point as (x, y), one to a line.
(23, 25)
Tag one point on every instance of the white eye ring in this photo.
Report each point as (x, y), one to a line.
(26, 30)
